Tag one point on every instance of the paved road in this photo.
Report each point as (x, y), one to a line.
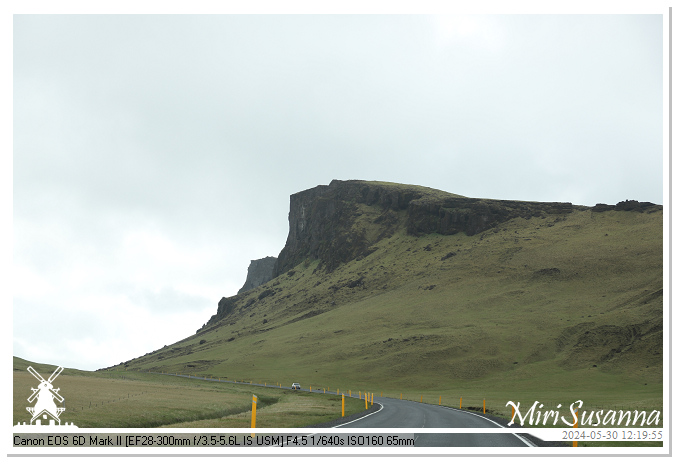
(407, 414)
(396, 413)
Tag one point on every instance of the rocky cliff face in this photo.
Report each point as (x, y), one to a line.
(322, 219)
(345, 220)
(260, 272)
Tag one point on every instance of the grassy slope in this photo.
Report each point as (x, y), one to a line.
(139, 399)
(487, 322)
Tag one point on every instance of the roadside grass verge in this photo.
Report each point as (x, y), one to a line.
(293, 409)
(141, 400)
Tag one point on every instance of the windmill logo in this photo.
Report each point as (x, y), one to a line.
(45, 397)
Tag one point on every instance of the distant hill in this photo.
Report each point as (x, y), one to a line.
(398, 285)
(20, 364)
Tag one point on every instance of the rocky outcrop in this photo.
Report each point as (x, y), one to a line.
(225, 307)
(322, 219)
(260, 272)
(627, 205)
(472, 215)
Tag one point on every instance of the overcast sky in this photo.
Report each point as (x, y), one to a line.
(154, 156)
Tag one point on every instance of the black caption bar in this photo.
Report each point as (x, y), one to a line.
(137, 440)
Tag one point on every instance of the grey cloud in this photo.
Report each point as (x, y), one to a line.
(198, 128)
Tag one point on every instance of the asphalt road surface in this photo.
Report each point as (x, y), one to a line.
(407, 414)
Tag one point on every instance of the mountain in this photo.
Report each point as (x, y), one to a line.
(405, 287)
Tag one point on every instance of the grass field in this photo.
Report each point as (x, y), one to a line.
(137, 399)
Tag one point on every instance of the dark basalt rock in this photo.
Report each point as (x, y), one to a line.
(321, 218)
(260, 272)
(627, 205)
(601, 207)
(633, 205)
(471, 215)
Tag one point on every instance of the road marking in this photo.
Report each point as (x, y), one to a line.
(341, 425)
(526, 441)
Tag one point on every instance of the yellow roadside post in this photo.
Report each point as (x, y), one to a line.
(372, 398)
(253, 421)
(401, 395)
(366, 400)
(342, 404)
(309, 387)
(439, 401)
(338, 391)
(420, 398)
(349, 393)
(359, 395)
(484, 405)
(460, 402)
(575, 426)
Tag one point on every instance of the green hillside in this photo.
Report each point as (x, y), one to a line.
(507, 301)
(141, 399)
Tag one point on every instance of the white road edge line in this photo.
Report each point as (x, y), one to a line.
(526, 441)
(341, 425)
